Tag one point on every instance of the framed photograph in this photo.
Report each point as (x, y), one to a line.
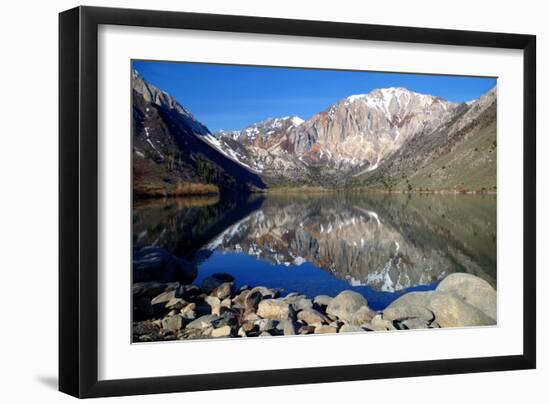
(251, 201)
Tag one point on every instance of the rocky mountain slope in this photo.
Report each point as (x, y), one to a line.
(390, 139)
(353, 142)
(170, 153)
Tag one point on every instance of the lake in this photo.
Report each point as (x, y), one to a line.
(380, 245)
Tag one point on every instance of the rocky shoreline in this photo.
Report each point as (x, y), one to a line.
(165, 311)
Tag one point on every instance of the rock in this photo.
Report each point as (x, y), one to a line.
(302, 304)
(346, 304)
(414, 324)
(351, 328)
(214, 303)
(362, 316)
(322, 300)
(274, 309)
(224, 331)
(223, 291)
(172, 323)
(265, 324)
(241, 332)
(473, 290)
(204, 321)
(188, 312)
(164, 298)
(226, 303)
(249, 327)
(240, 299)
(312, 316)
(403, 310)
(265, 292)
(176, 303)
(449, 309)
(325, 329)
(188, 292)
(252, 300)
(306, 329)
(251, 317)
(379, 324)
(172, 313)
(157, 264)
(145, 328)
(287, 327)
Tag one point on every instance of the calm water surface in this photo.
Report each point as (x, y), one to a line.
(379, 245)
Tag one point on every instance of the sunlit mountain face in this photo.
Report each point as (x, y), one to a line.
(385, 243)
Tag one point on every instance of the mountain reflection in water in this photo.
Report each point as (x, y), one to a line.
(368, 242)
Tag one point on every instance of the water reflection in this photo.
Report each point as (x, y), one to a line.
(386, 242)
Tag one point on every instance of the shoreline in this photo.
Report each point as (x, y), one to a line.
(216, 309)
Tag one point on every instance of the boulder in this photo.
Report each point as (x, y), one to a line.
(306, 329)
(379, 324)
(274, 309)
(203, 322)
(401, 310)
(312, 316)
(351, 328)
(473, 290)
(175, 303)
(346, 304)
(302, 304)
(448, 309)
(252, 300)
(362, 316)
(322, 300)
(265, 292)
(223, 291)
(224, 331)
(157, 264)
(287, 327)
(188, 312)
(172, 323)
(325, 329)
(164, 298)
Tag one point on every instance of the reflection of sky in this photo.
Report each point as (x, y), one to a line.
(306, 278)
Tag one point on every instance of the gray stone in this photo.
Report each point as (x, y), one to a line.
(351, 328)
(401, 311)
(274, 309)
(322, 300)
(346, 304)
(379, 324)
(172, 323)
(449, 309)
(312, 316)
(204, 321)
(164, 298)
(252, 300)
(325, 329)
(287, 327)
(306, 329)
(224, 331)
(175, 303)
(473, 290)
(362, 316)
(302, 304)
(223, 291)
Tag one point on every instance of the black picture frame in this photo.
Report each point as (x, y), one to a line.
(78, 200)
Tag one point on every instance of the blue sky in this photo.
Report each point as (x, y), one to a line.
(233, 97)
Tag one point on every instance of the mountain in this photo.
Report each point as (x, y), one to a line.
(362, 140)
(388, 139)
(460, 154)
(171, 151)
